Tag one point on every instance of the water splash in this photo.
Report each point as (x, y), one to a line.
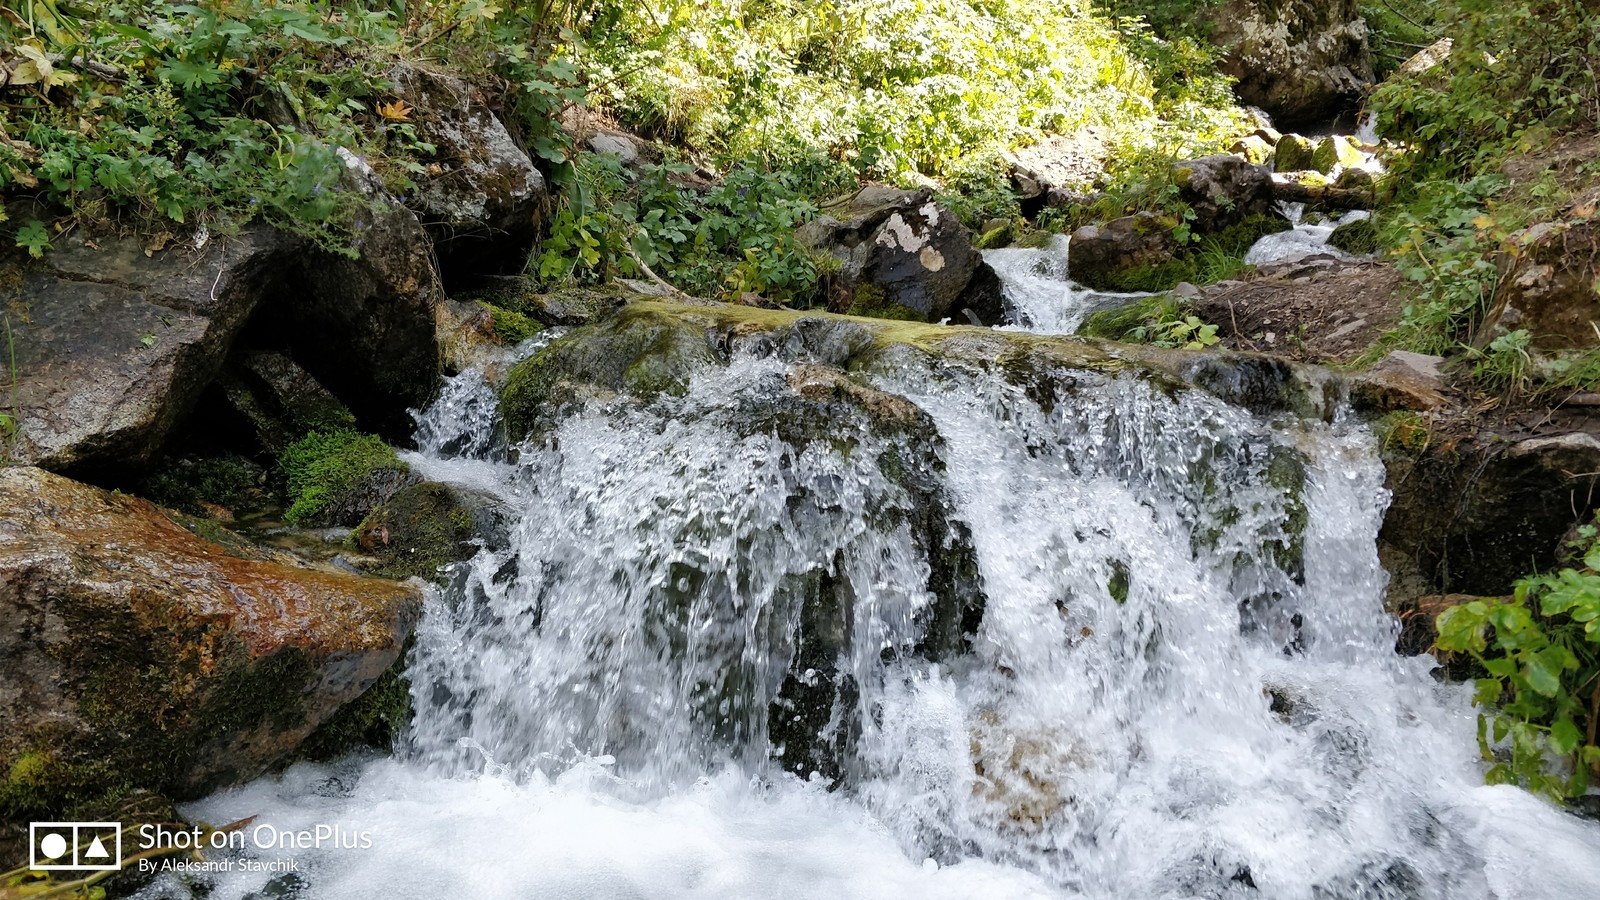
(1039, 295)
(1182, 686)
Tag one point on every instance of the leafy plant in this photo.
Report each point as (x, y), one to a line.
(1540, 650)
(1188, 333)
(9, 423)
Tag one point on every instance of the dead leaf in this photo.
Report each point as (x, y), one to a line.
(158, 243)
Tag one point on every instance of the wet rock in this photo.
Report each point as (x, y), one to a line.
(426, 526)
(1293, 154)
(1098, 253)
(901, 256)
(1547, 287)
(1471, 517)
(139, 655)
(1224, 191)
(1299, 60)
(484, 202)
(1401, 380)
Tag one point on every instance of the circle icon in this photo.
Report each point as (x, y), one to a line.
(53, 845)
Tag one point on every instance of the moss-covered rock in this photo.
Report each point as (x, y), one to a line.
(336, 478)
(1293, 154)
(1334, 151)
(138, 655)
(191, 484)
(429, 525)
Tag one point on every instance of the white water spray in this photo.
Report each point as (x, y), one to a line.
(1183, 684)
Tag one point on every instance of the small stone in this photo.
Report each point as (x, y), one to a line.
(615, 145)
(1402, 380)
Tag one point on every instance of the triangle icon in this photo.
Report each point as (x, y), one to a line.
(96, 850)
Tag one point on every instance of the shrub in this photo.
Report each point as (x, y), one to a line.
(1540, 652)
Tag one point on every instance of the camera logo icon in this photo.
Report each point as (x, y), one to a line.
(75, 846)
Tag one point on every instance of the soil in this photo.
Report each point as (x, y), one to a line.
(1319, 309)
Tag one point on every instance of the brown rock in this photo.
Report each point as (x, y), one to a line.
(1547, 287)
(135, 653)
(1401, 380)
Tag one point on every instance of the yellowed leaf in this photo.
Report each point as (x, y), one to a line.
(395, 111)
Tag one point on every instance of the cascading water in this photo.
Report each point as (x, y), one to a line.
(1039, 295)
(1182, 684)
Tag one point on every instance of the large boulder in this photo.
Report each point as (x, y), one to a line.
(483, 199)
(1098, 254)
(1547, 287)
(1299, 60)
(115, 341)
(901, 256)
(113, 347)
(1224, 191)
(136, 654)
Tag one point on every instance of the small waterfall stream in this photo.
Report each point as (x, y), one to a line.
(1182, 686)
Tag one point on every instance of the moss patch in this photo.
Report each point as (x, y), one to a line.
(869, 301)
(186, 484)
(1120, 323)
(327, 474)
(511, 327)
(418, 530)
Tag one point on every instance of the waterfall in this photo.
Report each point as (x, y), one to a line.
(1039, 296)
(706, 663)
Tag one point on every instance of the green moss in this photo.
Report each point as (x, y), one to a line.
(418, 530)
(511, 327)
(1404, 430)
(325, 468)
(1035, 240)
(1360, 236)
(1293, 154)
(1286, 471)
(869, 301)
(184, 484)
(1119, 583)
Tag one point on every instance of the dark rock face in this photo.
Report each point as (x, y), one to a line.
(1097, 252)
(484, 204)
(1473, 518)
(138, 654)
(1300, 60)
(901, 256)
(1224, 190)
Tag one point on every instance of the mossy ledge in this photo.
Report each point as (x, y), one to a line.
(652, 347)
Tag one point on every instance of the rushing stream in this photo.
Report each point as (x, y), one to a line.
(1183, 683)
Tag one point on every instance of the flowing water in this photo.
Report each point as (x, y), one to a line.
(1039, 295)
(1183, 683)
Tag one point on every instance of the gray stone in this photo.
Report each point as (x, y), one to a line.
(1097, 253)
(1300, 60)
(616, 145)
(1401, 380)
(482, 198)
(1225, 190)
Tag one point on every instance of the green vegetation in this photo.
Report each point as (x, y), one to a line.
(1159, 320)
(9, 416)
(1540, 652)
(323, 469)
(219, 113)
(185, 484)
(1360, 236)
(1519, 83)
